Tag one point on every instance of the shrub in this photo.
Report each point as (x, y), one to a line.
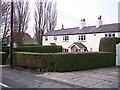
(39, 49)
(108, 44)
(3, 56)
(64, 61)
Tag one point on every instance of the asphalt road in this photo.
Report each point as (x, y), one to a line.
(17, 79)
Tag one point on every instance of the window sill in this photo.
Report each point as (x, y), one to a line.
(65, 41)
(81, 41)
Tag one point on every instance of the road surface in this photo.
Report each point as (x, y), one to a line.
(17, 79)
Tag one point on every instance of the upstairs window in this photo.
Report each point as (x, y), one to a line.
(113, 34)
(105, 35)
(110, 35)
(55, 38)
(82, 37)
(65, 38)
(46, 38)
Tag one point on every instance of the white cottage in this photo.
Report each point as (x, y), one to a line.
(80, 39)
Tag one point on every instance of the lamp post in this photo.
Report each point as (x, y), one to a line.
(11, 37)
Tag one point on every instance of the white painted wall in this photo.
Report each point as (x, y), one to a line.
(92, 41)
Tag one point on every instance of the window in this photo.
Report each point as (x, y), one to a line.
(82, 50)
(55, 38)
(105, 35)
(113, 35)
(46, 38)
(65, 38)
(65, 50)
(82, 37)
(110, 35)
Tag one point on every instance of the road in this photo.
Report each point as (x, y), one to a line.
(17, 79)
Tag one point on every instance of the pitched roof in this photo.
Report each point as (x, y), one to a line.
(115, 27)
(79, 45)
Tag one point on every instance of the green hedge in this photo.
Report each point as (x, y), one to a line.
(3, 56)
(35, 48)
(39, 49)
(108, 44)
(64, 61)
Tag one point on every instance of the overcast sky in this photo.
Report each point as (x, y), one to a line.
(70, 12)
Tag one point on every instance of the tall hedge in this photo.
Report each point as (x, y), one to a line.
(108, 44)
(39, 49)
(35, 48)
(64, 61)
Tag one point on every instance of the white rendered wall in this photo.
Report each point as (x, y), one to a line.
(92, 41)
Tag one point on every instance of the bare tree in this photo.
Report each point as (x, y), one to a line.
(21, 19)
(45, 18)
(5, 22)
(51, 16)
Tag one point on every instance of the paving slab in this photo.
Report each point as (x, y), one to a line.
(94, 78)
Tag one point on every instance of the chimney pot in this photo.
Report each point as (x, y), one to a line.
(83, 20)
(62, 26)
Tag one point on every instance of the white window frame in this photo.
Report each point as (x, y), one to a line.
(82, 37)
(46, 38)
(65, 50)
(107, 35)
(55, 38)
(66, 38)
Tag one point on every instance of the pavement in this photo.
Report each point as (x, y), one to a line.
(94, 78)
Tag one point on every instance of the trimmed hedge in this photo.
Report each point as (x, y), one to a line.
(3, 56)
(63, 62)
(30, 48)
(108, 44)
(39, 49)
(35, 48)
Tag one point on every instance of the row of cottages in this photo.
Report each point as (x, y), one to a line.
(81, 39)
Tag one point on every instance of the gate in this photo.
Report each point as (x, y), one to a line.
(118, 54)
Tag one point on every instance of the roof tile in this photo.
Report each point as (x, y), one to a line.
(86, 30)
